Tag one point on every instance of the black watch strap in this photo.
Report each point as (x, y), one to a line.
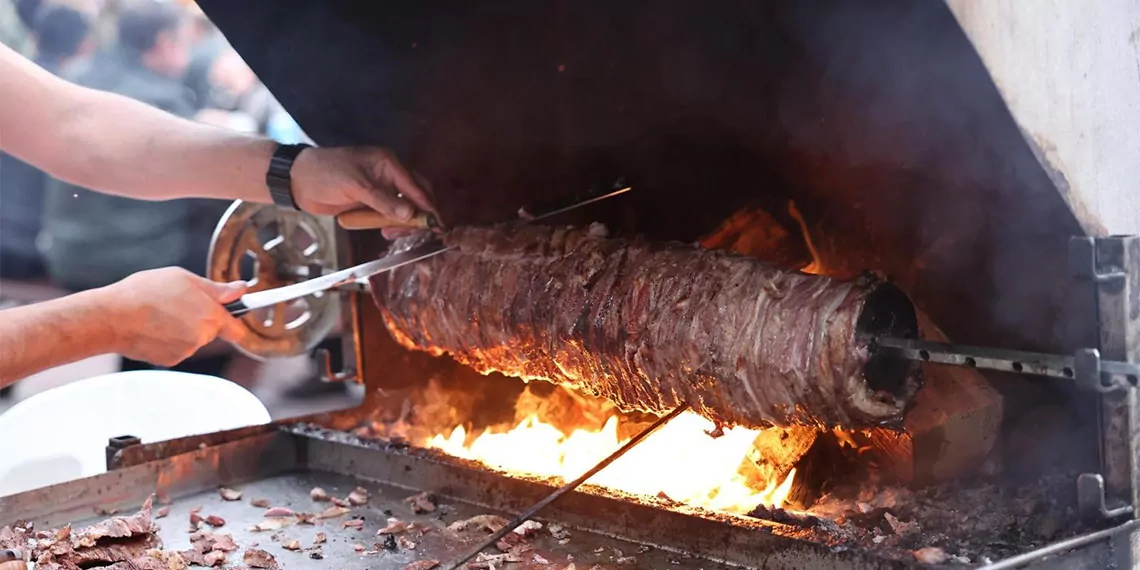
(278, 178)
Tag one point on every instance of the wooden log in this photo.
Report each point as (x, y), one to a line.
(951, 430)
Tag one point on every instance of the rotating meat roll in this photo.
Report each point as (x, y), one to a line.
(651, 326)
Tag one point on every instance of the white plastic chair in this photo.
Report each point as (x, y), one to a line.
(61, 434)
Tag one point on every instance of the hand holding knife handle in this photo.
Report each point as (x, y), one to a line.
(236, 308)
(269, 297)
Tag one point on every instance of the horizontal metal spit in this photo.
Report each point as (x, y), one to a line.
(1085, 366)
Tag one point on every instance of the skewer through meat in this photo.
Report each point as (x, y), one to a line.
(651, 326)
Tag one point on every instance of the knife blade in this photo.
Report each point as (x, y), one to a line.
(270, 297)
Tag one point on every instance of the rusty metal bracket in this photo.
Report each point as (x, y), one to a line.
(1112, 264)
(117, 444)
(324, 366)
(1084, 264)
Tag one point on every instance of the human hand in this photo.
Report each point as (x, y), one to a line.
(330, 181)
(168, 314)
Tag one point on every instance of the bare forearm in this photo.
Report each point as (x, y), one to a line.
(116, 145)
(130, 149)
(113, 144)
(53, 333)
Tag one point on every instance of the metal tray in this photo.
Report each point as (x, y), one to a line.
(281, 463)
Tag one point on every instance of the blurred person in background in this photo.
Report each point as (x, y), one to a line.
(206, 42)
(92, 240)
(61, 38)
(17, 19)
(16, 25)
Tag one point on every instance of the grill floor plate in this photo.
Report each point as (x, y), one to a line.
(292, 491)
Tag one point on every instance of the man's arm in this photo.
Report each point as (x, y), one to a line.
(53, 333)
(161, 316)
(116, 145)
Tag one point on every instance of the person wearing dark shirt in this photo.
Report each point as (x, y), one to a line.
(92, 239)
(61, 36)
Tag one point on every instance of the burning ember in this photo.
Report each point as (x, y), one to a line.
(680, 461)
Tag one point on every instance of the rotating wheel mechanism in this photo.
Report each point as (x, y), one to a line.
(270, 247)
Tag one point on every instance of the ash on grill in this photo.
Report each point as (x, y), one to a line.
(971, 522)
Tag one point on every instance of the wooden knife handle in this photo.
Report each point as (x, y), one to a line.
(371, 220)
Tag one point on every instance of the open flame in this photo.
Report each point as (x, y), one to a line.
(815, 267)
(679, 461)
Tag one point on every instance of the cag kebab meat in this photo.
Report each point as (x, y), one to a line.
(652, 326)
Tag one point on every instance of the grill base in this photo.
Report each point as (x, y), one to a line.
(282, 463)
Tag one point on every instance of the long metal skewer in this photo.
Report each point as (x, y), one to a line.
(518, 521)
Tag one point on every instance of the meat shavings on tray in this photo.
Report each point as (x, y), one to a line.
(209, 549)
(121, 543)
(129, 539)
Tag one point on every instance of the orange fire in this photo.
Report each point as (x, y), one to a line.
(680, 461)
(815, 267)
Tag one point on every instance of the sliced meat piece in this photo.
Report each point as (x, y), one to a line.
(394, 526)
(424, 502)
(358, 497)
(257, 558)
(228, 494)
(332, 513)
(489, 523)
(117, 527)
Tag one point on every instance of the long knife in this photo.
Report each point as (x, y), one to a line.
(270, 297)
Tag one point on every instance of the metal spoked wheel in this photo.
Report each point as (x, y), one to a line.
(271, 247)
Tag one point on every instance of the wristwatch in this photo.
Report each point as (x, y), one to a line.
(278, 178)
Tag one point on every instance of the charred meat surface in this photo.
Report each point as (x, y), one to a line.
(652, 326)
